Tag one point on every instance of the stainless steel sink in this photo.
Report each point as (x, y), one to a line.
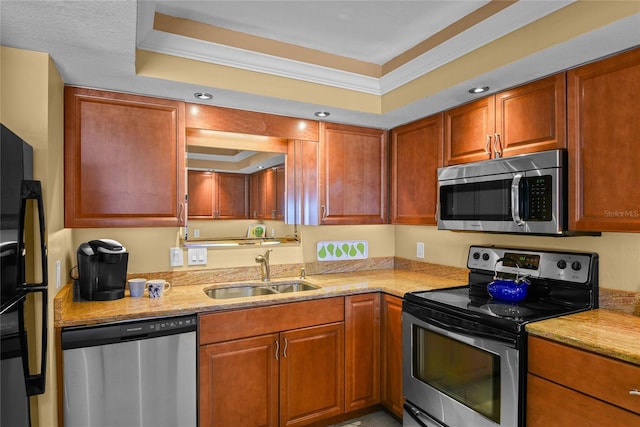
(258, 289)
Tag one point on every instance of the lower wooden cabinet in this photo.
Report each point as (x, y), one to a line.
(291, 373)
(567, 386)
(362, 330)
(391, 349)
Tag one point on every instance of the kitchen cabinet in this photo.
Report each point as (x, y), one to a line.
(569, 386)
(391, 349)
(124, 160)
(362, 352)
(353, 175)
(416, 155)
(603, 135)
(274, 365)
(217, 195)
(524, 119)
(267, 193)
(302, 183)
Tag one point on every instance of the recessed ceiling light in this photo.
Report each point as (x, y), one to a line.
(479, 89)
(322, 114)
(203, 95)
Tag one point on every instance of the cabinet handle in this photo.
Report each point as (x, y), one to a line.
(181, 213)
(286, 345)
(497, 146)
(635, 392)
(487, 145)
(323, 216)
(277, 349)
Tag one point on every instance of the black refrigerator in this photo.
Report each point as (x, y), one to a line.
(23, 255)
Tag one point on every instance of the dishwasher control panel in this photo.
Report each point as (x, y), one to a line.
(159, 326)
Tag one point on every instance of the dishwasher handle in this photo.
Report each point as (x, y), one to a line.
(89, 336)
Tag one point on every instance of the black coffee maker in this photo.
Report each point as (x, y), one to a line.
(102, 270)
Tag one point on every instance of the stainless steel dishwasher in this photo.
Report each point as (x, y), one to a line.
(140, 373)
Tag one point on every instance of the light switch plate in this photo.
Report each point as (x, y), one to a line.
(420, 250)
(176, 257)
(197, 256)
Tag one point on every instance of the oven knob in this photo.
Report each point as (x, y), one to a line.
(576, 265)
(485, 257)
(562, 264)
(476, 255)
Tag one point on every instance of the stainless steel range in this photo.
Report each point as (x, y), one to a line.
(464, 352)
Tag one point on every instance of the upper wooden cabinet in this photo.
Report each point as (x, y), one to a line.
(416, 155)
(124, 160)
(215, 195)
(525, 119)
(353, 175)
(603, 134)
(267, 190)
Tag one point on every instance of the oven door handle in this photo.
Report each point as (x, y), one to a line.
(471, 333)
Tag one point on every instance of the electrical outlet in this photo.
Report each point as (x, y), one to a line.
(196, 233)
(58, 274)
(175, 257)
(197, 256)
(420, 250)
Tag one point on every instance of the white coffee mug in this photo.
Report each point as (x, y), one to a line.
(137, 286)
(156, 287)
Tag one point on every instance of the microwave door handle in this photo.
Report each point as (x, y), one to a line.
(515, 200)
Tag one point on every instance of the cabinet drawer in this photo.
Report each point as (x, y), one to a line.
(550, 404)
(228, 325)
(598, 376)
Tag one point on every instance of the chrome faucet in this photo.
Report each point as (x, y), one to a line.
(263, 260)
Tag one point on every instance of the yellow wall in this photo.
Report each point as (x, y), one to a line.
(619, 252)
(32, 106)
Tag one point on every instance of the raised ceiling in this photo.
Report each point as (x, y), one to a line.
(372, 63)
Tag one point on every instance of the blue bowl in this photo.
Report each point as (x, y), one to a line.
(508, 290)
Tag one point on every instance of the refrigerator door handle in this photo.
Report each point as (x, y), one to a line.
(32, 190)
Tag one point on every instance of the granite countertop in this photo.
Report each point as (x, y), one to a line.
(190, 299)
(606, 332)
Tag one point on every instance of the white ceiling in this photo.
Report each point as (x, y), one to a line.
(93, 44)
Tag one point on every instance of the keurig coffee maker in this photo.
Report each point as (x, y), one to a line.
(102, 270)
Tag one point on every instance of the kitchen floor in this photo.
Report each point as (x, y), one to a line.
(377, 419)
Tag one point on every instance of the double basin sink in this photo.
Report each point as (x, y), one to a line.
(259, 288)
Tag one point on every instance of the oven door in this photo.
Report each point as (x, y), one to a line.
(459, 379)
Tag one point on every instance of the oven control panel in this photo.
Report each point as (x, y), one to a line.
(565, 266)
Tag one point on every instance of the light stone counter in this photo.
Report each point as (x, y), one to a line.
(190, 299)
(606, 332)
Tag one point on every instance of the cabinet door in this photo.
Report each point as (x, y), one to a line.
(392, 395)
(302, 183)
(239, 383)
(311, 374)
(532, 117)
(124, 160)
(416, 155)
(362, 353)
(550, 404)
(281, 180)
(353, 175)
(603, 135)
(200, 190)
(469, 132)
(232, 196)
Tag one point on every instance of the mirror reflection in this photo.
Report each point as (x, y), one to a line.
(240, 179)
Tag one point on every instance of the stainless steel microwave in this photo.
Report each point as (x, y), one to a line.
(519, 194)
